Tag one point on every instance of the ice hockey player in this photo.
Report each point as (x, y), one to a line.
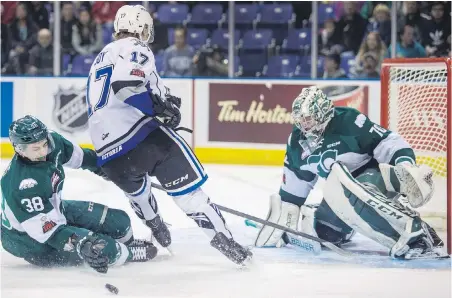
(45, 230)
(132, 121)
(363, 172)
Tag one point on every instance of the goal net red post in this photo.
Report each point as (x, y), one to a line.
(416, 103)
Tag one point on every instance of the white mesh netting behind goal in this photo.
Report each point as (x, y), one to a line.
(415, 104)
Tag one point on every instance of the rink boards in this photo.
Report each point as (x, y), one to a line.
(235, 121)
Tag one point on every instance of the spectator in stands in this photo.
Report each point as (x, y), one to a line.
(104, 12)
(8, 11)
(338, 7)
(435, 31)
(352, 27)
(367, 10)
(177, 61)
(39, 14)
(330, 39)
(68, 21)
(302, 10)
(22, 36)
(370, 67)
(411, 16)
(332, 67)
(407, 47)
(161, 35)
(86, 35)
(41, 55)
(5, 44)
(374, 45)
(381, 22)
(210, 63)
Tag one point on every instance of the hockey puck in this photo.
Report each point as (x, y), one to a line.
(112, 289)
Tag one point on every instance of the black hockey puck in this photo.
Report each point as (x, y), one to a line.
(112, 289)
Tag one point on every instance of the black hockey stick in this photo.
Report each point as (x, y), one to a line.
(175, 129)
(276, 226)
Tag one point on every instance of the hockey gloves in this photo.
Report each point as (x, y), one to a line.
(166, 111)
(175, 100)
(90, 250)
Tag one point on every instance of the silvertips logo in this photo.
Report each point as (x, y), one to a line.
(70, 112)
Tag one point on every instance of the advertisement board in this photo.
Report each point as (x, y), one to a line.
(252, 117)
(234, 121)
(61, 104)
(259, 113)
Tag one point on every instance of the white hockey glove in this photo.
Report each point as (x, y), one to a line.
(414, 182)
(282, 213)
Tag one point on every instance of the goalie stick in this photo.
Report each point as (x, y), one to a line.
(303, 244)
(330, 245)
(289, 239)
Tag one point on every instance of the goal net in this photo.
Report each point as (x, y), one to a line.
(415, 103)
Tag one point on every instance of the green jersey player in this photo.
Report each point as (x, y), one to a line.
(364, 176)
(43, 229)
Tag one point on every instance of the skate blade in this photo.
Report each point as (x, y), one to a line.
(170, 250)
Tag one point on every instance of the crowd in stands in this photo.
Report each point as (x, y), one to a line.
(271, 39)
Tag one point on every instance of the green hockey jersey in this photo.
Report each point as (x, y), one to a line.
(351, 138)
(31, 192)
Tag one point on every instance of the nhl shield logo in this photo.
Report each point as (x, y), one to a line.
(70, 113)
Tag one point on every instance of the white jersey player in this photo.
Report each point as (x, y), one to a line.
(132, 117)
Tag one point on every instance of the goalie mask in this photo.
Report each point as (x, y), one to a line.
(30, 138)
(311, 113)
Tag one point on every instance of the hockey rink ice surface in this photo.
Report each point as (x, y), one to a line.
(197, 270)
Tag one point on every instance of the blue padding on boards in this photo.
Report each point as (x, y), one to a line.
(6, 107)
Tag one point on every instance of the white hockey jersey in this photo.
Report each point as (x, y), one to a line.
(119, 106)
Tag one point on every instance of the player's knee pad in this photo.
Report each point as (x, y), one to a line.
(192, 201)
(143, 201)
(366, 210)
(197, 206)
(282, 213)
(118, 226)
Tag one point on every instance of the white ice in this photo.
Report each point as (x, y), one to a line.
(197, 270)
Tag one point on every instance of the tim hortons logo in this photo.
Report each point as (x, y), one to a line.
(70, 112)
(256, 113)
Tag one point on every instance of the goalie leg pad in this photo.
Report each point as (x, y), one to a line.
(282, 213)
(366, 210)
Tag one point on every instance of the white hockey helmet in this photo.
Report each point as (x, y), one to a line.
(135, 19)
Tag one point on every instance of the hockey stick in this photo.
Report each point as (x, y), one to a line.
(276, 226)
(306, 245)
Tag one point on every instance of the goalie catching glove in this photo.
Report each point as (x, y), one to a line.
(414, 182)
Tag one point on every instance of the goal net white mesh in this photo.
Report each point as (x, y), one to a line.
(417, 102)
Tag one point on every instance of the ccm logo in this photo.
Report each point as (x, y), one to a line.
(177, 181)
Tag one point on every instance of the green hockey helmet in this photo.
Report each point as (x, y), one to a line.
(312, 110)
(30, 138)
